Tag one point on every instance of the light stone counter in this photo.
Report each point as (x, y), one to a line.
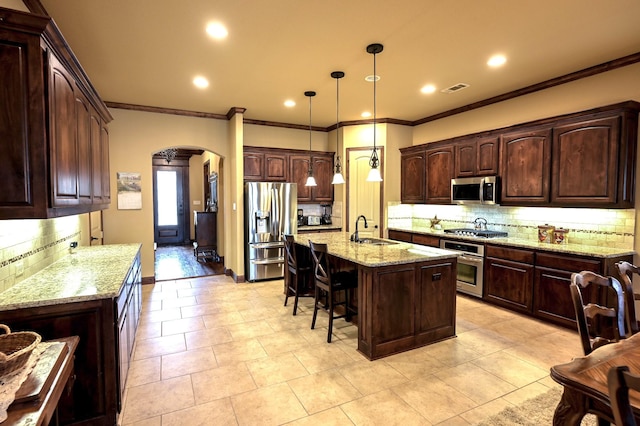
(370, 255)
(318, 228)
(89, 273)
(577, 249)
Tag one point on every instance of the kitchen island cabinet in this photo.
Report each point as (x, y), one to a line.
(95, 294)
(406, 292)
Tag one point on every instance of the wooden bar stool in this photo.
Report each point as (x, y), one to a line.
(298, 275)
(331, 283)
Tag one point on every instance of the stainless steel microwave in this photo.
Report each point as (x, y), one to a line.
(475, 190)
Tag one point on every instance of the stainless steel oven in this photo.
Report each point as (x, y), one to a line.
(470, 265)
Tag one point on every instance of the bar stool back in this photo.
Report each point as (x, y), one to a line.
(330, 283)
(298, 276)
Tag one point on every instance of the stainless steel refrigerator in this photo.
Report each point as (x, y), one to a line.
(270, 213)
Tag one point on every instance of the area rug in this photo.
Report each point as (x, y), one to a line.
(533, 412)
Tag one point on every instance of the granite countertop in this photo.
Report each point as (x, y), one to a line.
(89, 273)
(569, 248)
(370, 255)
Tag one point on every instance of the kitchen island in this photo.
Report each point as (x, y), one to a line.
(406, 294)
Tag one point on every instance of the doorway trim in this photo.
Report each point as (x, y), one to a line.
(381, 156)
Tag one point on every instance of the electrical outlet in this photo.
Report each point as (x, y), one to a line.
(19, 265)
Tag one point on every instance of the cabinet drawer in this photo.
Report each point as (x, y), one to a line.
(568, 263)
(400, 236)
(508, 253)
(426, 240)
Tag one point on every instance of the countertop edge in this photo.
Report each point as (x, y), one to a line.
(575, 249)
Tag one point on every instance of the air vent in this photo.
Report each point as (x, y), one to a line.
(455, 88)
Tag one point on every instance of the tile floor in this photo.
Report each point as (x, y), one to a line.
(213, 352)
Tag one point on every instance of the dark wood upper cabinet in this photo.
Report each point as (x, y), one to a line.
(46, 102)
(440, 171)
(276, 167)
(591, 163)
(323, 173)
(477, 157)
(413, 177)
(487, 156)
(525, 165)
(291, 165)
(253, 166)
(298, 173)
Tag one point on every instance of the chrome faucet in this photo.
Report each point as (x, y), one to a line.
(354, 236)
(480, 223)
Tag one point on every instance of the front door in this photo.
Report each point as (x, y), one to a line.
(363, 198)
(169, 204)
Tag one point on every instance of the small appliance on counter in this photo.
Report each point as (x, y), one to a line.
(301, 219)
(326, 214)
(313, 220)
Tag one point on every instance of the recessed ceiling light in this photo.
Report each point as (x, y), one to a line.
(217, 30)
(496, 61)
(365, 114)
(429, 88)
(289, 103)
(201, 82)
(371, 78)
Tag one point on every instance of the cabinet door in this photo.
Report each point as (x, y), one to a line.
(275, 167)
(466, 158)
(104, 149)
(63, 142)
(487, 156)
(253, 166)
(83, 132)
(413, 177)
(439, 174)
(585, 162)
(436, 297)
(323, 172)
(426, 240)
(551, 296)
(96, 158)
(298, 172)
(525, 167)
(509, 284)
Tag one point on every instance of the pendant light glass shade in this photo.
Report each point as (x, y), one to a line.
(311, 181)
(338, 179)
(374, 161)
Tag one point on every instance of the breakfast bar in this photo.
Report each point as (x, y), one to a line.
(406, 292)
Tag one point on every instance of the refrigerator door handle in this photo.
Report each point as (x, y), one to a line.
(268, 261)
(275, 209)
(267, 245)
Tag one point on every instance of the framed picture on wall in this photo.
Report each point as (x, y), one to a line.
(129, 191)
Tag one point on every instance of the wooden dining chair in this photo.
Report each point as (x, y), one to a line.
(625, 272)
(620, 381)
(330, 283)
(598, 325)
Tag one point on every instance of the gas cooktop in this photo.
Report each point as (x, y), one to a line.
(470, 232)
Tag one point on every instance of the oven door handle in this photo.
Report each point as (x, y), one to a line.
(472, 259)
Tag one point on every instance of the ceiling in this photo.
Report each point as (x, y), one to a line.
(147, 52)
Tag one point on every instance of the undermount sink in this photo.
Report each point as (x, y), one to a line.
(376, 241)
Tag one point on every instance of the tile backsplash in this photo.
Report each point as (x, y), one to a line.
(28, 246)
(596, 227)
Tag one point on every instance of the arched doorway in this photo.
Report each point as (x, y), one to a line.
(181, 195)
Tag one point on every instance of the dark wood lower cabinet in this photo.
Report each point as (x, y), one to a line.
(106, 328)
(552, 298)
(508, 277)
(409, 237)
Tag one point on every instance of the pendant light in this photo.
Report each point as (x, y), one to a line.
(311, 181)
(338, 179)
(374, 161)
